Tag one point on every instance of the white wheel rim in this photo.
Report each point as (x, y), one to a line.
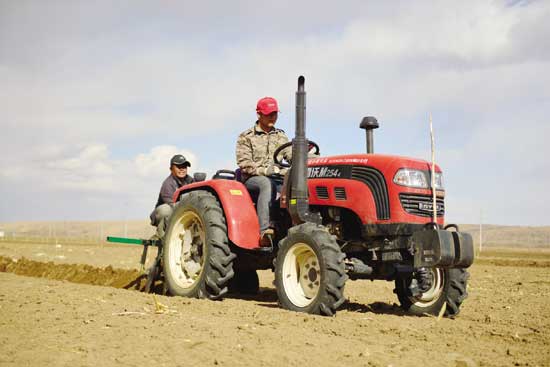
(431, 296)
(301, 274)
(185, 247)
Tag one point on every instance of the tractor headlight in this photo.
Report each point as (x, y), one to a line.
(411, 178)
(417, 178)
(439, 181)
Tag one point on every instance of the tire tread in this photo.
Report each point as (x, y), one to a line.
(332, 293)
(218, 266)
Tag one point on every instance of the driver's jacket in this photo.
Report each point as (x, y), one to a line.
(255, 150)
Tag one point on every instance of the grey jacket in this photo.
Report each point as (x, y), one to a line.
(169, 187)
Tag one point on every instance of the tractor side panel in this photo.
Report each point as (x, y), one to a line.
(243, 228)
(344, 193)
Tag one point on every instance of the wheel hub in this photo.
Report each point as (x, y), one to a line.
(312, 274)
(431, 296)
(186, 248)
(301, 274)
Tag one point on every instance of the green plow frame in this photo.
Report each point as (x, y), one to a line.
(134, 241)
(154, 272)
(137, 241)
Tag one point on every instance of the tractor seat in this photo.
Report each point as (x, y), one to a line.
(226, 174)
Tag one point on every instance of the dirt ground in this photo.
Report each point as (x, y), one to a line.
(55, 313)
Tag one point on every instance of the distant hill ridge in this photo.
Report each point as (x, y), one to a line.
(493, 235)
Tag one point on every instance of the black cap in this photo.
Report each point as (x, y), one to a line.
(179, 160)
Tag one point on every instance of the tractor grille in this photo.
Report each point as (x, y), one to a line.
(322, 192)
(421, 205)
(375, 181)
(340, 193)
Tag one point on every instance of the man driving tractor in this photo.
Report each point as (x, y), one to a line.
(254, 151)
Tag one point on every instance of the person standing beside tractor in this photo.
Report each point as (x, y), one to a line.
(255, 147)
(164, 206)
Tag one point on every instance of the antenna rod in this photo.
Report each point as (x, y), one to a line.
(480, 229)
(433, 171)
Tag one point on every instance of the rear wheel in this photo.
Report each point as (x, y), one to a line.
(196, 256)
(309, 271)
(448, 285)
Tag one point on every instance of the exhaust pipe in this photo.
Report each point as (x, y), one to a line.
(369, 123)
(298, 198)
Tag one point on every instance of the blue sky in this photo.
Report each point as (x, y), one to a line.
(96, 96)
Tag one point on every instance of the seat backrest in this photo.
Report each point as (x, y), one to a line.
(238, 175)
(224, 174)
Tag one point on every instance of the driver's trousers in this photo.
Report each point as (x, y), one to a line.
(265, 190)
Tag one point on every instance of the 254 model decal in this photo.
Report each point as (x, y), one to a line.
(324, 172)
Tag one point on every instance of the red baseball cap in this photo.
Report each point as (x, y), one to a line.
(267, 105)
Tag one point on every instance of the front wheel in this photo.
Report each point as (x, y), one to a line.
(309, 271)
(448, 285)
(197, 259)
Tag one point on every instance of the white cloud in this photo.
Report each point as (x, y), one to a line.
(82, 88)
(91, 168)
(156, 161)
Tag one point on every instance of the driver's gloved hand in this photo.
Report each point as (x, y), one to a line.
(283, 171)
(269, 170)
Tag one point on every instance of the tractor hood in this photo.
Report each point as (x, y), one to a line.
(364, 184)
(328, 167)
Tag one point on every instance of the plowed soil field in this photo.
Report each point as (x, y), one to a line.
(80, 305)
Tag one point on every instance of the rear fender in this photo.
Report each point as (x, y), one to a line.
(243, 228)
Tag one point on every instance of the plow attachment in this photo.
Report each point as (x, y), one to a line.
(154, 272)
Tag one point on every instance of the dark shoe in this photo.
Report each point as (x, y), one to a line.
(266, 238)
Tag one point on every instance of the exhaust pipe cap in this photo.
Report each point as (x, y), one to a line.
(369, 123)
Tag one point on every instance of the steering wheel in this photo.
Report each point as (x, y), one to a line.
(311, 145)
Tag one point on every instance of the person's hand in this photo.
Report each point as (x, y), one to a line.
(272, 170)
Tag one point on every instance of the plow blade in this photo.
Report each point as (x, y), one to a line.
(153, 273)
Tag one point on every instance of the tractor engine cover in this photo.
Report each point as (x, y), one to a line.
(442, 248)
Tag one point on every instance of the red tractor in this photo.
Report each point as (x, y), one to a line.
(361, 216)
